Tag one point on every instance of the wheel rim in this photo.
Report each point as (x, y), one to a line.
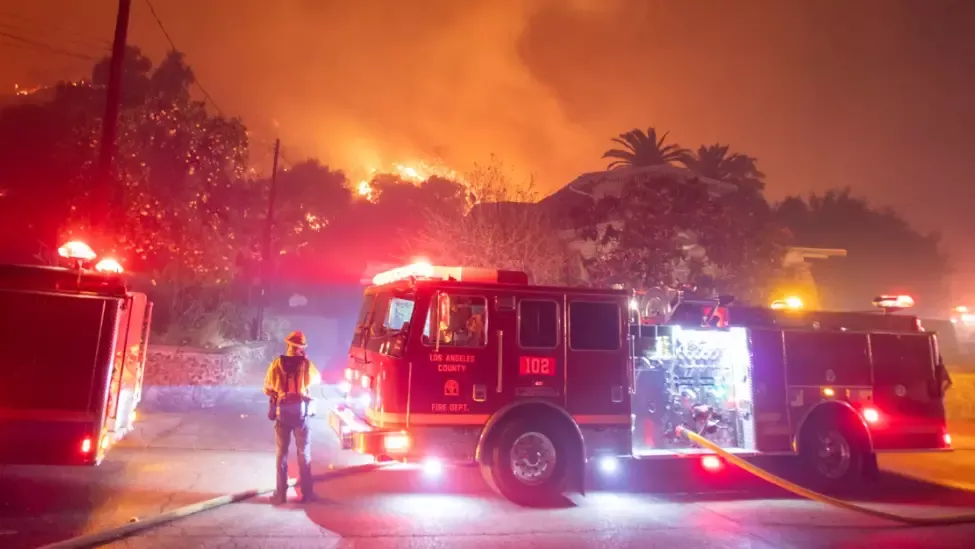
(533, 458)
(833, 455)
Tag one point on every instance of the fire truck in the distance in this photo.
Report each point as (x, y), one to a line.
(534, 382)
(963, 322)
(72, 353)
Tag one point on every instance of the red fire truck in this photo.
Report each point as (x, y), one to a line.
(72, 353)
(534, 382)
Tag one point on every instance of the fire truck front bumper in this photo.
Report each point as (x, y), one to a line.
(357, 435)
(443, 443)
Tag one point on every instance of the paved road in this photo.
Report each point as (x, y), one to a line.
(170, 460)
(175, 460)
(402, 508)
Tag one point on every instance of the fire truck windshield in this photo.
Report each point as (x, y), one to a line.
(382, 315)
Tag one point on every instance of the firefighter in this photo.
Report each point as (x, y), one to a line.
(286, 384)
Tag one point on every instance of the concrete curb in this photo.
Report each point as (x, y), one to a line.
(114, 534)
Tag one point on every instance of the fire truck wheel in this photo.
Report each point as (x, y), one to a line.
(529, 462)
(835, 452)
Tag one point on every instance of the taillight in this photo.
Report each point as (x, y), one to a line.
(871, 415)
(86, 445)
(711, 463)
(947, 439)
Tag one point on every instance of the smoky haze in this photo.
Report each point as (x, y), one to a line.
(872, 94)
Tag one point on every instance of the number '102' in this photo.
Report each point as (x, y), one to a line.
(536, 366)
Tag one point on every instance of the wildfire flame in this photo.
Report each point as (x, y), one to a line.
(413, 172)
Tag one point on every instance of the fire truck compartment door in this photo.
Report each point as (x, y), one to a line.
(532, 350)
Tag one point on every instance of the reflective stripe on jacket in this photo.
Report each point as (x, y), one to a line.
(275, 379)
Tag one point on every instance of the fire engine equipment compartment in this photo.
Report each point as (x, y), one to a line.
(72, 351)
(699, 379)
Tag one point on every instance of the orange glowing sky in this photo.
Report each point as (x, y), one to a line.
(873, 94)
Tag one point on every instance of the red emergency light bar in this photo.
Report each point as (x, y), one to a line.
(894, 302)
(466, 274)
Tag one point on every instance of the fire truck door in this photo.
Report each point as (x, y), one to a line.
(463, 378)
(597, 359)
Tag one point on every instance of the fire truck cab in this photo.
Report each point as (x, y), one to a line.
(534, 382)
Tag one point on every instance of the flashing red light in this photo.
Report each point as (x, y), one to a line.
(423, 269)
(109, 265)
(871, 415)
(711, 463)
(86, 445)
(947, 439)
(76, 249)
(418, 269)
(894, 302)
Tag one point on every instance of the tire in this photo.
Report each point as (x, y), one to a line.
(834, 453)
(529, 462)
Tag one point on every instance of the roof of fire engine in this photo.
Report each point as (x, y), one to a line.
(865, 321)
(479, 284)
(40, 278)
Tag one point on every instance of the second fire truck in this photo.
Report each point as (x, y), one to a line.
(534, 382)
(72, 357)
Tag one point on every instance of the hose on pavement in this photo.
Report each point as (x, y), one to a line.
(98, 539)
(821, 498)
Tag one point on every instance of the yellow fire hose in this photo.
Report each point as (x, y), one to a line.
(821, 498)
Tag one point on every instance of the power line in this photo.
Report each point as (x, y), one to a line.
(206, 94)
(172, 44)
(27, 42)
(48, 28)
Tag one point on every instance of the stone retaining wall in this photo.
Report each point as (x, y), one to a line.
(181, 378)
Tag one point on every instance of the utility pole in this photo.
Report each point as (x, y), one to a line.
(105, 193)
(266, 258)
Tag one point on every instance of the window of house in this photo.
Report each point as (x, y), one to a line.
(594, 326)
(538, 324)
(462, 321)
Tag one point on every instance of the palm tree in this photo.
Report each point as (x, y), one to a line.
(642, 150)
(715, 162)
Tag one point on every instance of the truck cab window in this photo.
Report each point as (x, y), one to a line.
(363, 319)
(538, 324)
(594, 326)
(462, 321)
(400, 311)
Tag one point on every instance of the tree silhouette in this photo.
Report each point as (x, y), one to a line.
(715, 162)
(504, 229)
(884, 253)
(643, 149)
